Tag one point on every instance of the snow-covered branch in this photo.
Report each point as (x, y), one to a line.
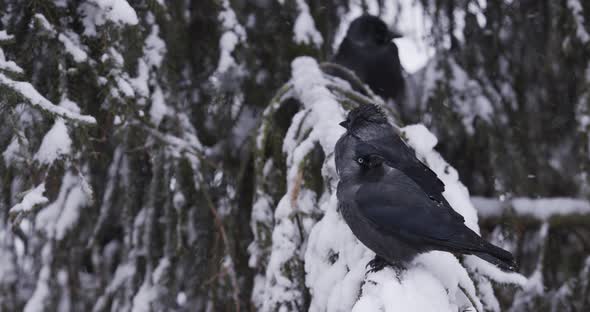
(576, 7)
(542, 209)
(33, 97)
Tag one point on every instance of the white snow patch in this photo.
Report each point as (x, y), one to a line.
(150, 289)
(538, 208)
(40, 298)
(12, 152)
(44, 23)
(73, 47)
(261, 216)
(158, 109)
(422, 139)
(545, 208)
(29, 92)
(4, 36)
(147, 73)
(77, 199)
(467, 94)
(69, 39)
(56, 143)
(61, 215)
(418, 290)
(155, 47)
(493, 272)
(31, 199)
(9, 272)
(227, 44)
(144, 297)
(98, 12)
(9, 65)
(578, 13)
(304, 29)
(476, 8)
(125, 87)
(122, 274)
(70, 105)
(234, 33)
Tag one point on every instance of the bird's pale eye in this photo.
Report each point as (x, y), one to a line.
(360, 160)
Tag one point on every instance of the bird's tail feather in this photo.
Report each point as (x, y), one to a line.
(506, 265)
(471, 243)
(498, 256)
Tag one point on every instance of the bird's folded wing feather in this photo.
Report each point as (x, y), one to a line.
(397, 206)
(398, 155)
(402, 208)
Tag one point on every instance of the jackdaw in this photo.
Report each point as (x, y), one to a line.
(368, 50)
(393, 203)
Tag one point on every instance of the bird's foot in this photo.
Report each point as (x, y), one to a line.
(377, 264)
(398, 267)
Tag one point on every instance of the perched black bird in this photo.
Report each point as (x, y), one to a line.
(392, 202)
(369, 51)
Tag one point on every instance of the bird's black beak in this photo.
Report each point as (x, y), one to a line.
(394, 34)
(344, 124)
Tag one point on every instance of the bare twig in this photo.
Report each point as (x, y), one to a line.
(222, 233)
(178, 143)
(473, 304)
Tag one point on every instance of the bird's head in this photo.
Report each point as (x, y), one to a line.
(369, 30)
(369, 161)
(355, 158)
(364, 115)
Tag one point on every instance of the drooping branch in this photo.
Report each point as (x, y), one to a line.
(559, 211)
(33, 97)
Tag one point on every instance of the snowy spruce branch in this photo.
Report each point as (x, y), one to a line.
(306, 228)
(537, 208)
(28, 93)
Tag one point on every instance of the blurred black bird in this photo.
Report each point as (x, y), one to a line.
(368, 50)
(393, 203)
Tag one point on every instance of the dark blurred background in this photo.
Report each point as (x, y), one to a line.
(178, 88)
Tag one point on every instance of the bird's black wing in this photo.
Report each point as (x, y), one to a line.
(398, 155)
(398, 206)
(403, 158)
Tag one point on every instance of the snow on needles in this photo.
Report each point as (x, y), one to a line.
(4, 36)
(56, 143)
(59, 217)
(154, 50)
(578, 15)
(31, 199)
(118, 11)
(98, 12)
(69, 39)
(33, 96)
(467, 99)
(309, 87)
(304, 30)
(72, 44)
(294, 213)
(234, 33)
(9, 65)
